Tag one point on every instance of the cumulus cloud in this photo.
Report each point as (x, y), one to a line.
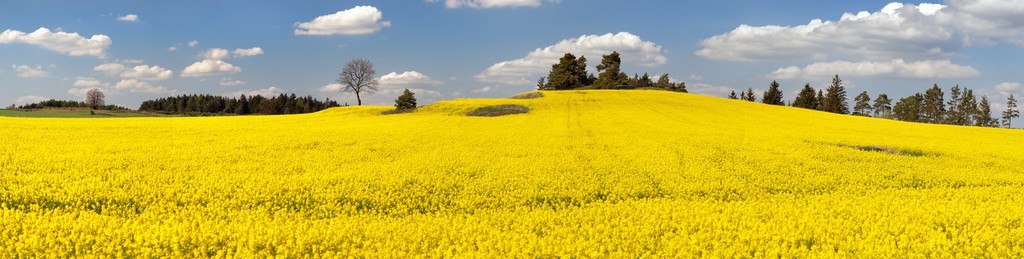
(407, 78)
(30, 99)
(136, 86)
(209, 67)
(1008, 86)
(330, 88)
(632, 50)
(193, 43)
(231, 82)
(86, 82)
(109, 68)
(356, 21)
(172, 48)
(61, 42)
(215, 54)
(129, 18)
(493, 3)
(248, 52)
(145, 72)
(26, 71)
(896, 68)
(265, 92)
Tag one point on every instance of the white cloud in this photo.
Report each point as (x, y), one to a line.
(1006, 87)
(407, 78)
(62, 42)
(265, 92)
(209, 67)
(248, 52)
(28, 72)
(136, 86)
(696, 78)
(897, 68)
(493, 3)
(231, 82)
(129, 61)
(215, 54)
(86, 82)
(145, 72)
(329, 88)
(526, 70)
(172, 48)
(129, 18)
(712, 90)
(485, 89)
(30, 99)
(193, 43)
(356, 21)
(109, 68)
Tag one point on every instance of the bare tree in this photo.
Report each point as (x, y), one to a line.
(357, 77)
(94, 98)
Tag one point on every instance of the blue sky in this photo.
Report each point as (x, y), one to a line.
(448, 49)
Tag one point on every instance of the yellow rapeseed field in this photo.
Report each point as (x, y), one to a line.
(583, 174)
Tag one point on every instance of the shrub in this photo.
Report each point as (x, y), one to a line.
(498, 110)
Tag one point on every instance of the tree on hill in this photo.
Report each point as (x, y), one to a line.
(406, 101)
(933, 107)
(806, 99)
(609, 74)
(773, 96)
(862, 104)
(909, 108)
(1011, 111)
(882, 106)
(835, 97)
(967, 109)
(954, 115)
(664, 82)
(358, 77)
(542, 83)
(984, 117)
(242, 106)
(748, 95)
(732, 95)
(94, 98)
(820, 100)
(569, 73)
(680, 87)
(644, 81)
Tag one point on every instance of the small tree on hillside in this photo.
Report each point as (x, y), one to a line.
(806, 99)
(749, 95)
(1011, 111)
(909, 108)
(862, 104)
(934, 107)
(773, 96)
(94, 98)
(984, 117)
(820, 101)
(609, 75)
(358, 77)
(664, 82)
(835, 98)
(406, 101)
(733, 96)
(569, 73)
(967, 109)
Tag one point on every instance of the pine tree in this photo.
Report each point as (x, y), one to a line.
(609, 75)
(732, 95)
(984, 117)
(1011, 111)
(933, 107)
(967, 109)
(909, 108)
(773, 96)
(542, 83)
(406, 101)
(955, 115)
(820, 101)
(883, 106)
(569, 73)
(680, 87)
(835, 99)
(862, 104)
(243, 106)
(749, 95)
(664, 82)
(806, 99)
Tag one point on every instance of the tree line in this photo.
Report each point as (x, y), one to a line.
(571, 73)
(219, 105)
(962, 107)
(54, 103)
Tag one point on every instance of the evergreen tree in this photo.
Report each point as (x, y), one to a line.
(984, 117)
(1011, 111)
(542, 83)
(609, 75)
(883, 106)
(569, 73)
(749, 95)
(243, 106)
(955, 115)
(664, 82)
(933, 107)
(967, 109)
(909, 108)
(773, 96)
(406, 101)
(680, 87)
(820, 100)
(732, 95)
(835, 99)
(806, 99)
(644, 81)
(862, 104)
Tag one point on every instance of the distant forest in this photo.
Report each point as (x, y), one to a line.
(53, 103)
(220, 105)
